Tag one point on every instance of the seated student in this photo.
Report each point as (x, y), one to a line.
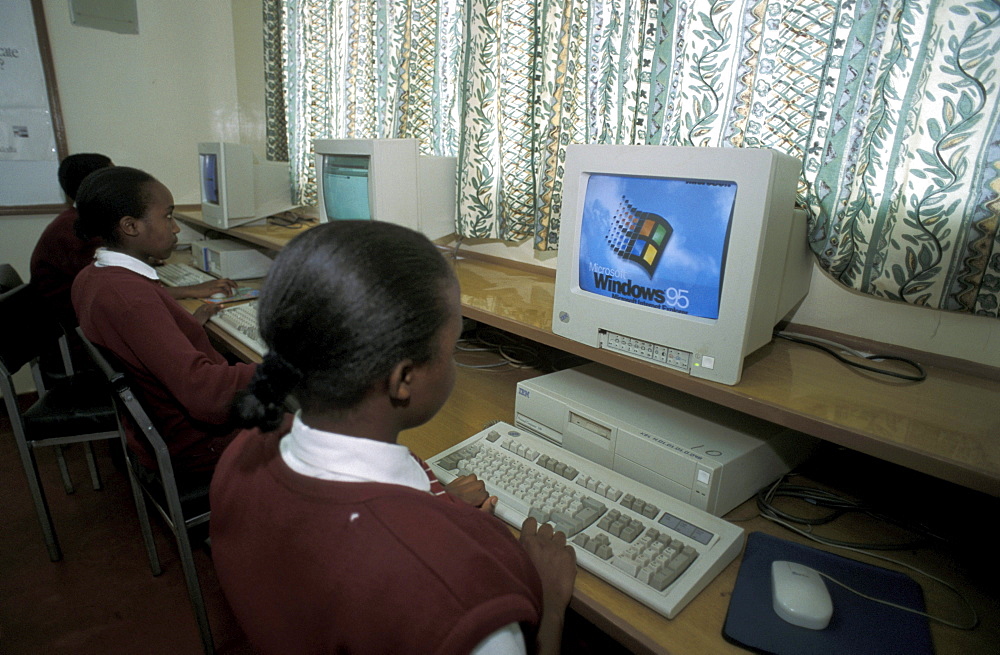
(186, 385)
(60, 253)
(327, 535)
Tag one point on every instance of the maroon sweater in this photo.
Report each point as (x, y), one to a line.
(57, 258)
(314, 566)
(185, 385)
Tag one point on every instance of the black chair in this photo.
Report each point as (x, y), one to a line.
(72, 409)
(55, 362)
(9, 278)
(183, 507)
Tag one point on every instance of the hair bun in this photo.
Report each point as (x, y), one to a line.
(263, 403)
(281, 374)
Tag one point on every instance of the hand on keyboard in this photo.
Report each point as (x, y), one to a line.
(472, 490)
(205, 312)
(209, 288)
(555, 562)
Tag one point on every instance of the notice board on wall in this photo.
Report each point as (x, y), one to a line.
(32, 136)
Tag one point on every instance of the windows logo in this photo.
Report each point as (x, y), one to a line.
(639, 236)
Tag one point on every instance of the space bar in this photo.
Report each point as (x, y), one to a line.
(510, 508)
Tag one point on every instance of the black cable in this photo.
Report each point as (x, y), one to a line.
(512, 351)
(920, 376)
(838, 506)
(289, 220)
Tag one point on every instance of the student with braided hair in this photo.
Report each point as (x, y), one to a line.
(327, 535)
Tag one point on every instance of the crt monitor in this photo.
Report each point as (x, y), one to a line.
(683, 257)
(238, 188)
(386, 180)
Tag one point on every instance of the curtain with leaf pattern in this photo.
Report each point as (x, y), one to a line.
(892, 105)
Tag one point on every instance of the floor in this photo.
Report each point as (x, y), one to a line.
(101, 597)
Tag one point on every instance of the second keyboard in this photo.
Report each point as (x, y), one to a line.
(182, 275)
(241, 322)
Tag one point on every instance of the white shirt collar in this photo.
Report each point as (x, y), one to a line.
(105, 257)
(331, 456)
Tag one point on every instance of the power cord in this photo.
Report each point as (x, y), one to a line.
(290, 220)
(838, 506)
(511, 351)
(452, 252)
(836, 350)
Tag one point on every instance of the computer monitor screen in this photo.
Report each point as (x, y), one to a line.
(210, 178)
(682, 257)
(628, 250)
(386, 180)
(345, 187)
(239, 188)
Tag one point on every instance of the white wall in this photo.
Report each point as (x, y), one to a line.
(146, 100)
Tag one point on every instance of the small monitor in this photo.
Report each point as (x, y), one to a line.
(386, 180)
(683, 257)
(210, 178)
(345, 187)
(238, 188)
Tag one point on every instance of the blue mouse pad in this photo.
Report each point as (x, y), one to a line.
(858, 624)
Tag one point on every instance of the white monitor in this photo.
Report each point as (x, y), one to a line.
(238, 188)
(386, 180)
(682, 257)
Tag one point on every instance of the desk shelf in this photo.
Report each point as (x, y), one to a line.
(945, 426)
(942, 426)
(272, 237)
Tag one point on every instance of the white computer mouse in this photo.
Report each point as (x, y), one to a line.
(800, 595)
(219, 295)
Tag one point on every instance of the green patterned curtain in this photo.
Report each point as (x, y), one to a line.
(902, 156)
(275, 112)
(362, 69)
(892, 105)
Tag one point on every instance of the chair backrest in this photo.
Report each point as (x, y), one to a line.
(9, 279)
(129, 405)
(114, 371)
(24, 331)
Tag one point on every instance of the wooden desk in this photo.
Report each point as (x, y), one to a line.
(482, 396)
(944, 427)
(274, 237)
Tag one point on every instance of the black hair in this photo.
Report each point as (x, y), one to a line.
(74, 168)
(105, 196)
(343, 304)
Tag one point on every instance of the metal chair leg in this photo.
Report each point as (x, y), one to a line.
(144, 527)
(38, 499)
(194, 589)
(95, 474)
(64, 470)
